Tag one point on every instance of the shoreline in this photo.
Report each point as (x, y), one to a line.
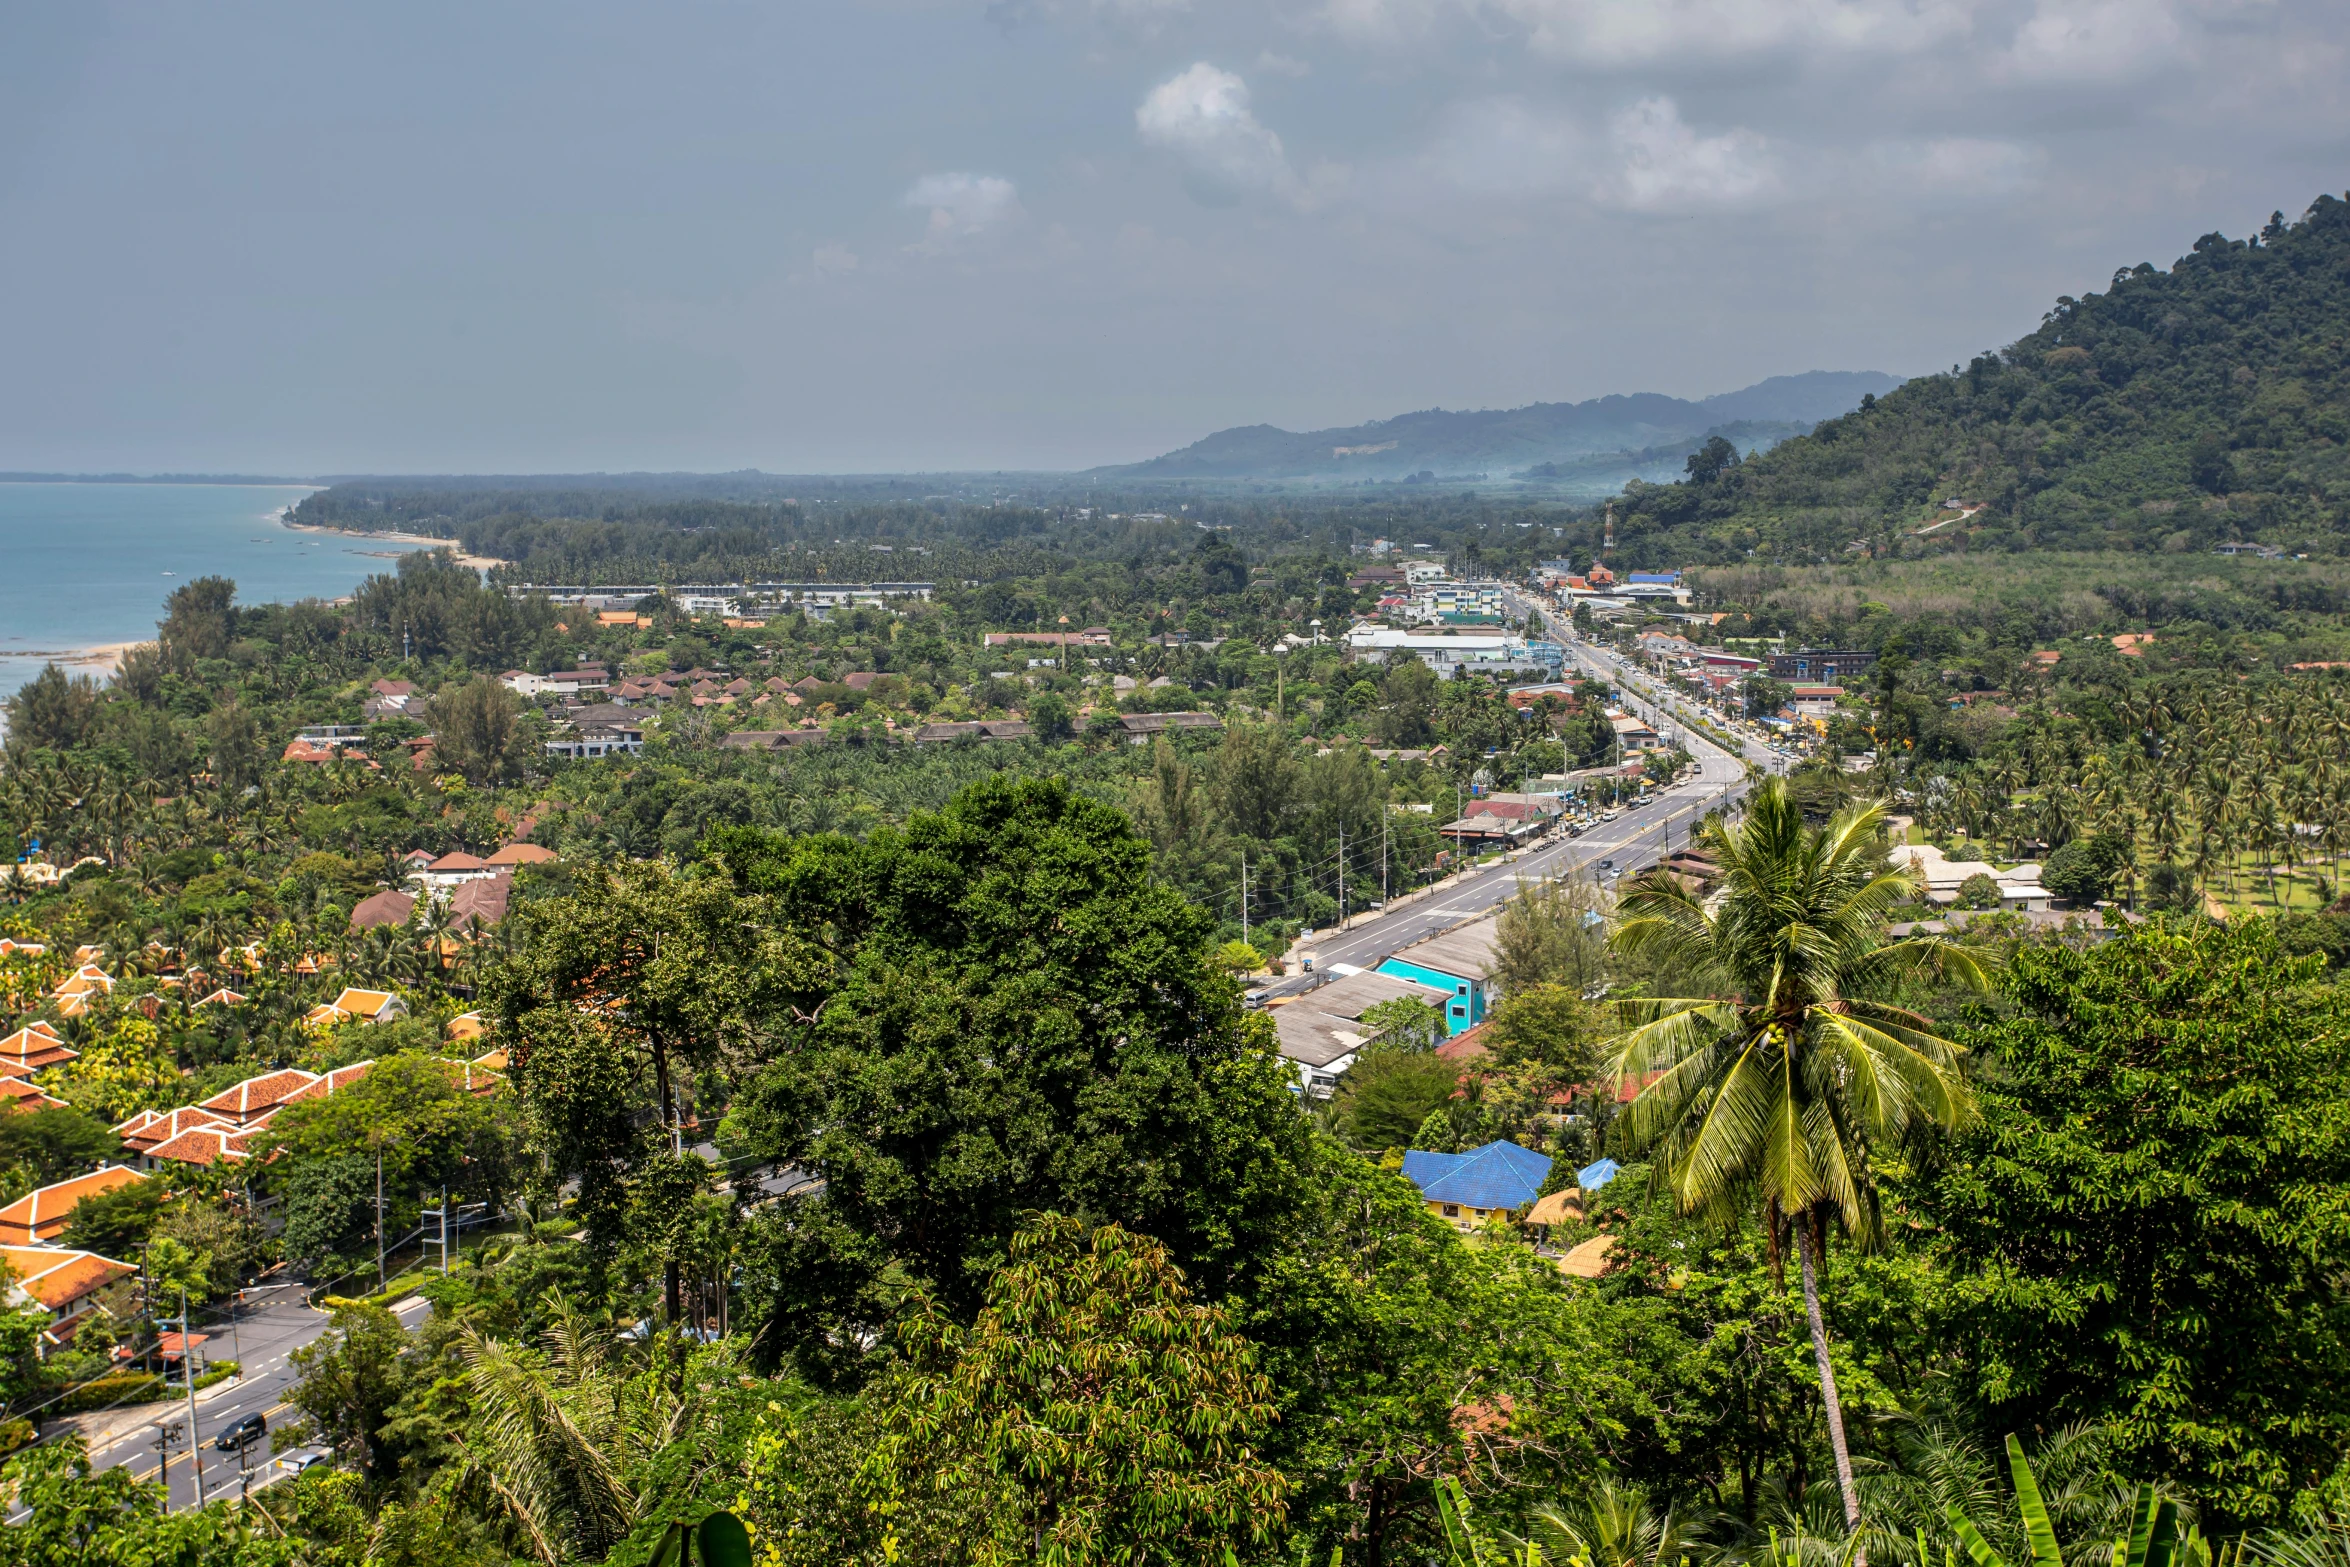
(477, 562)
(102, 657)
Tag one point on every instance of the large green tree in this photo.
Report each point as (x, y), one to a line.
(2151, 1222)
(1023, 1019)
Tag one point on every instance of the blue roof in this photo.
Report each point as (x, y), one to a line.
(1593, 1176)
(1498, 1175)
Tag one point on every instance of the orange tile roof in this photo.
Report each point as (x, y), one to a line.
(30, 1049)
(225, 996)
(340, 1078)
(363, 1003)
(24, 1096)
(10, 946)
(457, 860)
(495, 1061)
(521, 854)
(57, 1277)
(467, 1025)
(167, 1124)
(41, 1215)
(202, 1145)
(247, 1101)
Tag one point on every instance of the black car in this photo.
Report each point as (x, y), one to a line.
(243, 1433)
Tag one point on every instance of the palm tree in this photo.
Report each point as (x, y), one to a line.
(1783, 1088)
(1615, 1526)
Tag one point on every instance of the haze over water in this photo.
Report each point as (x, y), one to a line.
(84, 565)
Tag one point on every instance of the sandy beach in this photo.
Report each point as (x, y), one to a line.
(477, 562)
(98, 660)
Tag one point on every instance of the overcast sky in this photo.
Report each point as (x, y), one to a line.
(811, 236)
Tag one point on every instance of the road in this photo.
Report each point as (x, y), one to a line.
(266, 1334)
(1643, 833)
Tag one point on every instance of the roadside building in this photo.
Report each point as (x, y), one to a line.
(62, 1282)
(1322, 1031)
(1461, 964)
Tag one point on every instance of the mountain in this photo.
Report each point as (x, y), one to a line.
(2178, 410)
(1498, 443)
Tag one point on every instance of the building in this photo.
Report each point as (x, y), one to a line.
(1468, 1189)
(30, 1048)
(604, 729)
(1090, 637)
(249, 1103)
(1496, 655)
(1322, 1031)
(62, 1282)
(514, 854)
(368, 1006)
(986, 729)
(383, 908)
(1821, 666)
(39, 1217)
(2019, 887)
(1141, 727)
(454, 870)
(562, 682)
(1814, 701)
(1460, 964)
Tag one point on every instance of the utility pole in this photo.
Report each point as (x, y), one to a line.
(188, 1375)
(1342, 878)
(1244, 895)
(1383, 853)
(379, 1218)
(165, 1435)
(444, 1229)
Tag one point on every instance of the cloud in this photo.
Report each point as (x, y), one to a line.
(1506, 147)
(2092, 40)
(961, 206)
(833, 261)
(1282, 65)
(1961, 165)
(1661, 165)
(1203, 120)
(1638, 32)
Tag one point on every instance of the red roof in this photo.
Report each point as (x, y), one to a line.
(256, 1096)
(202, 1145)
(458, 861)
(41, 1215)
(162, 1127)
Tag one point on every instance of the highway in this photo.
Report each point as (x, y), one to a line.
(1643, 834)
(266, 1334)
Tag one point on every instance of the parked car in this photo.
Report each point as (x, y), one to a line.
(242, 1433)
(302, 1459)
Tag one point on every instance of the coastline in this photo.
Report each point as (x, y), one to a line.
(477, 562)
(100, 659)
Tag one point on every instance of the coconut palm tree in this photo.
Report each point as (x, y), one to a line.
(1781, 1089)
(1615, 1526)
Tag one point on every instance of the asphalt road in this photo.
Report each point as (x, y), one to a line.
(1643, 834)
(266, 1336)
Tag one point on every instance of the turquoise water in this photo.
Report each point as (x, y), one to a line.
(82, 565)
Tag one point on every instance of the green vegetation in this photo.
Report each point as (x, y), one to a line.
(2179, 410)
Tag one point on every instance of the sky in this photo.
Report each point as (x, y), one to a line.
(809, 236)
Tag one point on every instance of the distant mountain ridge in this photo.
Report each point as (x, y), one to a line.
(1499, 442)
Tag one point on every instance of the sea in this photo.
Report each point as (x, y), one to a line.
(84, 567)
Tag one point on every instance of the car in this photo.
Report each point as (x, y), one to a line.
(242, 1433)
(1607, 865)
(302, 1459)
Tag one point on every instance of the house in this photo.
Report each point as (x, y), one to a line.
(205, 1146)
(223, 997)
(249, 1103)
(2019, 887)
(1486, 830)
(466, 1025)
(453, 870)
(1141, 727)
(10, 947)
(1634, 734)
(480, 904)
(383, 908)
(18, 1093)
(332, 1082)
(369, 1006)
(31, 1048)
(1322, 1031)
(62, 1282)
(986, 729)
(521, 854)
(1459, 963)
(39, 1217)
(1814, 701)
(1468, 1189)
(149, 1130)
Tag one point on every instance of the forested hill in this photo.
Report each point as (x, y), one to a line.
(1495, 442)
(2178, 410)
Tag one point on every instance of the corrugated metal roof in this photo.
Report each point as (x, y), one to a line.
(1472, 952)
